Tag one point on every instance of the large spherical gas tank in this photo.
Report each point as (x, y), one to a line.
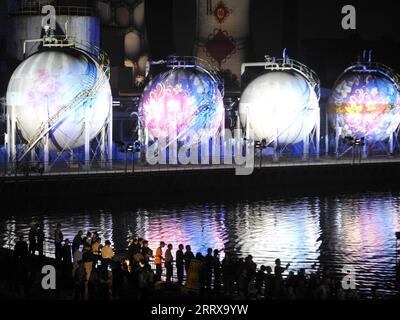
(180, 101)
(365, 105)
(46, 83)
(279, 104)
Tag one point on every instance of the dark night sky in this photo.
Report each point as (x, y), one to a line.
(310, 29)
(315, 18)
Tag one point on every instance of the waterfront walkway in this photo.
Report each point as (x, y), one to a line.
(130, 168)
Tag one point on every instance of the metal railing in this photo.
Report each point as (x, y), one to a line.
(121, 167)
(196, 63)
(373, 67)
(291, 64)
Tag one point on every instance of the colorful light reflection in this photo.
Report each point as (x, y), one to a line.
(366, 105)
(180, 101)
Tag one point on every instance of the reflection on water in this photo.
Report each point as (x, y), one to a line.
(312, 233)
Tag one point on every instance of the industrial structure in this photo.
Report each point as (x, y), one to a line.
(70, 104)
(58, 102)
(364, 108)
(222, 35)
(280, 106)
(183, 104)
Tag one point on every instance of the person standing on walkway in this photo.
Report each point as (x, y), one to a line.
(87, 259)
(96, 250)
(208, 266)
(188, 256)
(77, 257)
(67, 257)
(179, 264)
(168, 263)
(21, 249)
(88, 239)
(32, 239)
(58, 239)
(77, 242)
(158, 260)
(21, 253)
(217, 271)
(40, 240)
(133, 249)
(107, 254)
(147, 253)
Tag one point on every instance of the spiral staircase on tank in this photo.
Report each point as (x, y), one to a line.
(92, 85)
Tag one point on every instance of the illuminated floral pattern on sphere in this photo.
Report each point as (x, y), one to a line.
(366, 105)
(46, 83)
(179, 101)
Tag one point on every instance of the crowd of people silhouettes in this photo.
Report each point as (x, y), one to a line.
(87, 268)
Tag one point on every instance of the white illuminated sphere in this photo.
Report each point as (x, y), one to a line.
(49, 80)
(279, 104)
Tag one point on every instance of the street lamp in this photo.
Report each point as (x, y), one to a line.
(129, 148)
(132, 147)
(356, 143)
(360, 143)
(261, 145)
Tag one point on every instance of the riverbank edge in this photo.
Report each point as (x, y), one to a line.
(148, 188)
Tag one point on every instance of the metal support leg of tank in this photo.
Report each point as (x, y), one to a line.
(7, 144)
(238, 139)
(121, 130)
(391, 144)
(337, 138)
(109, 146)
(223, 138)
(46, 158)
(71, 156)
(306, 147)
(33, 157)
(216, 150)
(326, 135)
(365, 149)
(110, 137)
(173, 145)
(6, 155)
(146, 144)
(87, 141)
(12, 136)
(318, 139)
(247, 122)
(276, 151)
(103, 148)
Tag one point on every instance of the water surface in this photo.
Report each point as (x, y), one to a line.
(310, 232)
